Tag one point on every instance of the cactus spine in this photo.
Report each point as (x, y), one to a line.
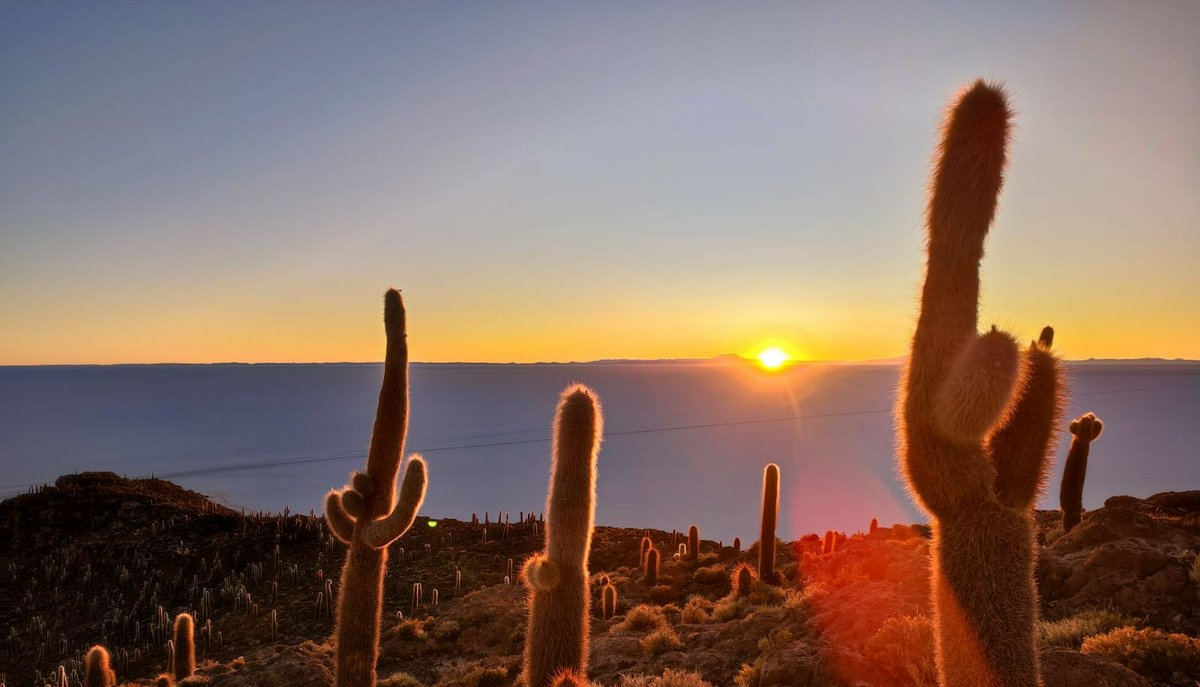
(1084, 430)
(183, 663)
(976, 420)
(97, 671)
(693, 545)
(557, 634)
(770, 514)
(364, 516)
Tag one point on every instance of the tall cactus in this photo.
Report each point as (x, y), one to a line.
(1084, 430)
(97, 671)
(693, 547)
(185, 647)
(976, 419)
(364, 516)
(557, 635)
(770, 514)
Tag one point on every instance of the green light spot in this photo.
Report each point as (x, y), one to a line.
(433, 523)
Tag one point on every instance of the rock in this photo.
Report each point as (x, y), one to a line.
(1068, 668)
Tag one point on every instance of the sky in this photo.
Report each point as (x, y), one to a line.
(230, 181)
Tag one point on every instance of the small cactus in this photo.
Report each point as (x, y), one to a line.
(650, 573)
(557, 636)
(380, 519)
(97, 671)
(770, 514)
(742, 580)
(569, 678)
(164, 680)
(184, 660)
(693, 543)
(1084, 430)
(737, 545)
(830, 543)
(609, 594)
(874, 526)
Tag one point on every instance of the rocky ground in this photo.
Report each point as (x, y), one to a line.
(100, 559)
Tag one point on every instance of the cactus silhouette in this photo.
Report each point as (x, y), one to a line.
(693, 543)
(737, 545)
(557, 636)
(184, 664)
(97, 671)
(364, 516)
(830, 544)
(874, 525)
(742, 580)
(609, 596)
(650, 570)
(1084, 430)
(770, 513)
(645, 546)
(976, 419)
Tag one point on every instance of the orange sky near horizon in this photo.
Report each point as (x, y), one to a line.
(579, 181)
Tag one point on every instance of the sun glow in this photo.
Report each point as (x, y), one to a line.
(772, 358)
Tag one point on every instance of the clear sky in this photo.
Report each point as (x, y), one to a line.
(234, 181)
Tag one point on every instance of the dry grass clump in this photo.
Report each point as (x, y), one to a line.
(661, 641)
(1194, 573)
(446, 631)
(671, 678)
(400, 680)
(711, 574)
(411, 629)
(697, 610)
(903, 650)
(1150, 652)
(486, 677)
(751, 673)
(733, 606)
(1070, 632)
(640, 618)
(663, 593)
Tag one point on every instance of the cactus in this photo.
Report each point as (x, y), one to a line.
(737, 545)
(830, 543)
(976, 420)
(693, 543)
(650, 570)
(557, 634)
(609, 594)
(569, 678)
(874, 526)
(364, 516)
(770, 513)
(164, 680)
(1084, 430)
(96, 669)
(742, 580)
(183, 663)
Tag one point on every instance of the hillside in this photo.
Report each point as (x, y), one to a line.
(100, 559)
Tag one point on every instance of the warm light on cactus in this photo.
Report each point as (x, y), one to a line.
(367, 516)
(976, 419)
(556, 638)
(1084, 430)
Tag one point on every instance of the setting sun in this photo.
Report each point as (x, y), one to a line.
(772, 358)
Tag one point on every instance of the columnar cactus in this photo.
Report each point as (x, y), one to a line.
(693, 543)
(609, 597)
(184, 663)
(770, 513)
(650, 570)
(97, 671)
(557, 636)
(737, 545)
(1084, 430)
(829, 544)
(645, 546)
(742, 580)
(976, 420)
(366, 515)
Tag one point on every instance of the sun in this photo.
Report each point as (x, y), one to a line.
(772, 358)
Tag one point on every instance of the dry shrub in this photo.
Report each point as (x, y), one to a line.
(661, 641)
(446, 631)
(640, 618)
(697, 610)
(662, 594)
(486, 677)
(400, 680)
(1070, 632)
(671, 678)
(903, 650)
(411, 629)
(1150, 652)
(712, 574)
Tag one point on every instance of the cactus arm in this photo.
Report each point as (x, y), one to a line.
(977, 387)
(340, 522)
(353, 502)
(1021, 445)
(380, 533)
(391, 415)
